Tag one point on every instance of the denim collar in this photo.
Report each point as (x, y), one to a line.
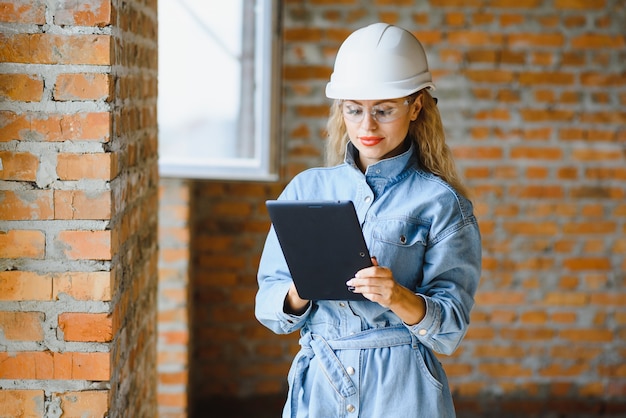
(389, 168)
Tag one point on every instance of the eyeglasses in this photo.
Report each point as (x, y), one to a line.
(383, 113)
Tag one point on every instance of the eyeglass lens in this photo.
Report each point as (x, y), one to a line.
(381, 113)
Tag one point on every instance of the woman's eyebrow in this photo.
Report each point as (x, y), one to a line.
(375, 103)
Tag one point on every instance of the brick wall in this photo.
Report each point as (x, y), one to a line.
(174, 301)
(532, 93)
(78, 219)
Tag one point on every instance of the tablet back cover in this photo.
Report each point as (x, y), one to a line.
(323, 245)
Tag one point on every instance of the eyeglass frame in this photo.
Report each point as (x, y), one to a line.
(373, 111)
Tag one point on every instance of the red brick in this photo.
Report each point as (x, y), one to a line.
(18, 166)
(573, 58)
(46, 365)
(547, 115)
(537, 192)
(86, 327)
(86, 166)
(22, 326)
(22, 244)
(612, 117)
(22, 11)
(536, 153)
(509, 19)
(477, 153)
(454, 19)
(458, 3)
(46, 48)
(502, 316)
(508, 96)
(308, 72)
(537, 173)
(544, 59)
(26, 204)
(551, 78)
(18, 286)
(587, 263)
(22, 402)
(537, 134)
(474, 38)
(55, 127)
(596, 227)
(85, 13)
(83, 285)
(547, 96)
(311, 111)
(78, 204)
(558, 370)
(564, 317)
(528, 334)
(587, 335)
(86, 245)
(499, 351)
(176, 338)
(490, 76)
(597, 41)
(566, 299)
(500, 298)
(504, 370)
(85, 86)
(580, 4)
(597, 192)
(608, 299)
(307, 34)
(92, 403)
(493, 114)
(178, 400)
(567, 173)
(540, 40)
(596, 154)
(534, 317)
(21, 87)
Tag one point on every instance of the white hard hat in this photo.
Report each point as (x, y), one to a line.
(379, 61)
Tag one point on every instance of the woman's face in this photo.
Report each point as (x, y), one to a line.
(377, 128)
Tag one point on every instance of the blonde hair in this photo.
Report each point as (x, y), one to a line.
(426, 132)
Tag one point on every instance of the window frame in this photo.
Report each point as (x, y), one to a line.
(264, 165)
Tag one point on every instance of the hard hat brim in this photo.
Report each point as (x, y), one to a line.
(374, 92)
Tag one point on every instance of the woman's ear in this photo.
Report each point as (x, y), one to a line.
(416, 107)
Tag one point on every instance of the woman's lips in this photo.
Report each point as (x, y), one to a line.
(370, 141)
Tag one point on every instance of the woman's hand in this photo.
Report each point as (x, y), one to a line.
(294, 304)
(377, 284)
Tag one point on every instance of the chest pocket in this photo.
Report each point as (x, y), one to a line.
(400, 245)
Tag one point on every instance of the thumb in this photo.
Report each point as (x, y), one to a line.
(374, 261)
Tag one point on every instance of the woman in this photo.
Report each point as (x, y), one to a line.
(387, 154)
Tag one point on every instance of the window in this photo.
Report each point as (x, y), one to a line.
(218, 97)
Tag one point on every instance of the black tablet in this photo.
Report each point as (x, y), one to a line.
(323, 245)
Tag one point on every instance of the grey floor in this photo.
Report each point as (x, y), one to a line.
(271, 407)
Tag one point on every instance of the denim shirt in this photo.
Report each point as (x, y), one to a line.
(359, 359)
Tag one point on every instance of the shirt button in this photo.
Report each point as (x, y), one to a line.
(422, 332)
(350, 408)
(368, 199)
(343, 305)
(350, 370)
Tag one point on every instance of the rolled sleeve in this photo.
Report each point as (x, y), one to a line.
(451, 276)
(429, 325)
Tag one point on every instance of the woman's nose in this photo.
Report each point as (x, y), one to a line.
(368, 122)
